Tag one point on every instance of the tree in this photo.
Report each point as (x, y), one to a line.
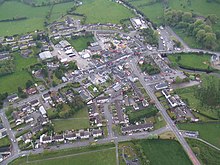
(200, 35)
(210, 40)
(213, 18)
(29, 83)
(187, 17)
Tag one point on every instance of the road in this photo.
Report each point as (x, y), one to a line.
(168, 120)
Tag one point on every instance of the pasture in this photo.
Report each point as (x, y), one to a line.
(11, 82)
(103, 11)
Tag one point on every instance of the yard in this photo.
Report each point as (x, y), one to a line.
(187, 94)
(103, 11)
(191, 61)
(93, 155)
(81, 43)
(206, 154)
(4, 142)
(79, 121)
(209, 132)
(11, 82)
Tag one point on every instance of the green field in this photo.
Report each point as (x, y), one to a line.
(153, 11)
(187, 94)
(103, 11)
(80, 43)
(10, 83)
(206, 154)
(93, 155)
(209, 132)
(156, 152)
(4, 142)
(35, 16)
(78, 121)
(191, 60)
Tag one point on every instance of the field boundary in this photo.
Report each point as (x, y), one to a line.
(64, 156)
(211, 145)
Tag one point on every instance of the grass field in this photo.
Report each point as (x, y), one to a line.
(103, 11)
(80, 43)
(158, 152)
(154, 11)
(191, 60)
(10, 83)
(35, 16)
(4, 142)
(93, 155)
(206, 154)
(194, 103)
(79, 121)
(209, 132)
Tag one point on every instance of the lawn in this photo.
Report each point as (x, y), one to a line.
(78, 121)
(103, 11)
(11, 82)
(157, 152)
(4, 142)
(206, 154)
(187, 94)
(93, 155)
(153, 11)
(209, 132)
(81, 43)
(191, 61)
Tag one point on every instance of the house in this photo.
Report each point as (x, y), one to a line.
(166, 93)
(28, 119)
(17, 118)
(31, 91)
(70, 136)
(145, 103)
(58, 138)
(27, 138)
(84, 134)
(5, 150)
(12, 97)
(46, 97)
(36, 129)
(45, 139)
(34, 103)
(9, 39)
(26, 108)
(3, 132)
(120, 113)
(161, 86)
(97, 133)
(172, 102)
(1, 158)
(46, 55)
(136, 128)
(64, 44)
(102, 99)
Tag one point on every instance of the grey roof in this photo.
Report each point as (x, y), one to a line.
(137, 127)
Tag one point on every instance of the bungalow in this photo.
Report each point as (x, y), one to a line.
(97, 133)
(27, 138)
(34, 103)
(31, 91)
(161, 86)
(58, 138)
(135, 128)
(45, 139)
(70, 136)
(9, 39)
(145, 103)
(12, 97)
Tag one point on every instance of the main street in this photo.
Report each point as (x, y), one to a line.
(168, 120)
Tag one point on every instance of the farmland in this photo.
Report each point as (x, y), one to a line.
(103, 11)
(158, 152)
(191, 61)
(35, 16)
(19, 77)
(209, 132)
(154, 11)
(94, 155)
(205, 153)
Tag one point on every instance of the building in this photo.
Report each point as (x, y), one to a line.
(64, 44)
(45, 139)
(42, 111)
(138, 23)
(137, 128)
(46, 97)
(97, 133)
(12, 97)
(58, 138)
(70, 136)
(166, 93)
(84, 134)
(3, 132)
(46, 55)
(161, 86)
(120, 113)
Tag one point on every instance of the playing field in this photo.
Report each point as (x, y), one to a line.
(103, 11)
(191, 60)
(79, 121)
(209, 132)
(93, 155)
(11, 82)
